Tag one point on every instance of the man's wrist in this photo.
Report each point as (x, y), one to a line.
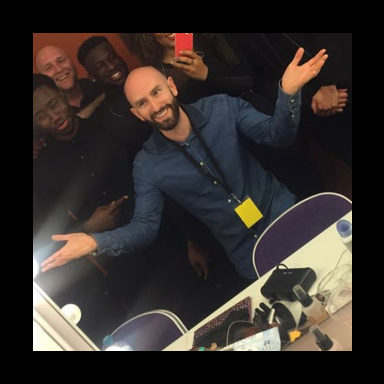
(288, 90)
(95, 251)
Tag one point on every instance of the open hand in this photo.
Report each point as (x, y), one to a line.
(78, 245)
(296, 75)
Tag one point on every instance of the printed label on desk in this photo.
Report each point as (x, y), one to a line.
(268, 341)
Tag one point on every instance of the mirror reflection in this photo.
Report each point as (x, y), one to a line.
(85, 140)
(152, 203)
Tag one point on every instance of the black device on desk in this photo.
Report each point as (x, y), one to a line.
(280, 284)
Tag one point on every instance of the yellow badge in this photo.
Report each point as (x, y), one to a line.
(249, 213)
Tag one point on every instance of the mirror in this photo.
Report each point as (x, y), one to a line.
(111, 290)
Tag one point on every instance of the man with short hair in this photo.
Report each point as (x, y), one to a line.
(82, 94)
(54, 62)
(83, 170)
(109, 71)
(196, 156)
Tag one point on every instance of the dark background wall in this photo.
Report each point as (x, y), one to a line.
(70, 43)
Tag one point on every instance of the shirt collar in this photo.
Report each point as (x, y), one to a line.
(158, 144)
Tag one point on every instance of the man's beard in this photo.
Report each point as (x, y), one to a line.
(170, 123)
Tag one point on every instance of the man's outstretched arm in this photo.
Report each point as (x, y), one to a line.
(140, 232)
(78, 245)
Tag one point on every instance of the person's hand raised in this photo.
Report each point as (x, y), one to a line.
(296, 75)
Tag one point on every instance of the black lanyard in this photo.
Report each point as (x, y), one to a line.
(202, 167)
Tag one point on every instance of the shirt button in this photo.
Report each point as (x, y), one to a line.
(215, 182)
(82, 157)
(292, 101)
(104, 193)
(202, 164)
(229, 201)
(187, 145)
(92, 175)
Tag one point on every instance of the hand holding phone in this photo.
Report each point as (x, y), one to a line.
(190, 63)
(183, 42)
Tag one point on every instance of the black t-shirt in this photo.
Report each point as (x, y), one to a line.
(90, 92)
(114, 116)
(73, 178)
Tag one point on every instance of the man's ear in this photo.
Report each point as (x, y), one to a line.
(172, 86)
(137, 114)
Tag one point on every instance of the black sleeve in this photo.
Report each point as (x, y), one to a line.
(90, 91)
(335, 70)
(229, 71)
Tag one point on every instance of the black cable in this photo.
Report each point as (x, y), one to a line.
(277, 54)
(297, 45)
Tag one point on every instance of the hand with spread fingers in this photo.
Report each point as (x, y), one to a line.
(81, 244)
(78, 245)
(192, 65)
(296, 75)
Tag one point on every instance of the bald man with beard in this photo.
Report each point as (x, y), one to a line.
(195, 156)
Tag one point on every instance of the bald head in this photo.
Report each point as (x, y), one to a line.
(153, 98)
(141, 81)
(45, 56)
(55, 63)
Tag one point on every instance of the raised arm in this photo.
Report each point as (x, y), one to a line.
(223, 66)
(280, 129)
(296, 75)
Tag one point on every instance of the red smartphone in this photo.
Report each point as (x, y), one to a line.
(183, 42)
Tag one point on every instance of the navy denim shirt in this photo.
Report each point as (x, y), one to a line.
(161, 169)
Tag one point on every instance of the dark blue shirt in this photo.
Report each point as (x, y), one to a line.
(161, 169)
